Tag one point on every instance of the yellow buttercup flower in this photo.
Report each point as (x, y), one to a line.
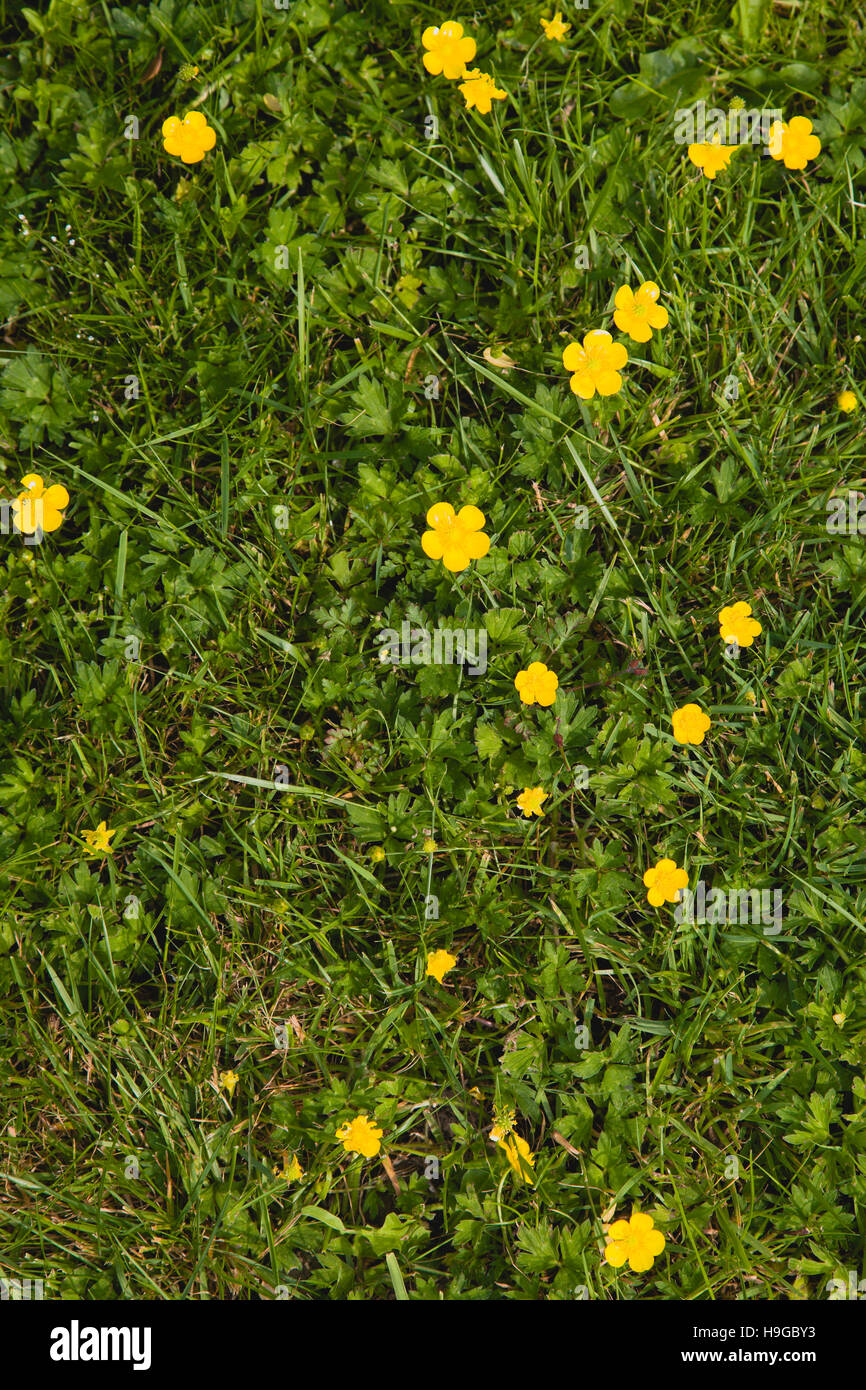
(794, 142)
(537, 685)
(847, 401)
(190, 138)
(228, 1081)
(637, 312)
(448, 52)
(530, 801)
(479, 90)
(377, 854)
(664, 881)
(98, 839)
(292, 1172)
(360, 1136)
(455, 540)
(555, 28)
(39, 508)
(636, 1241)
(736, 624)
(711, 158)
(595, 366)
(516, 1150)
(439, 963)
(690, 724)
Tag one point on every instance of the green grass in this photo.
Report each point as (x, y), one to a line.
(253, 518)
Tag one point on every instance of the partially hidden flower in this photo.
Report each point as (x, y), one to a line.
(736, 624)
(690, 724)
(190, 138)
(637, 313)
(98, 839)
(479, 89)
(228, 1081)
(793, 142)
(711, 158)
(360, 1136)
(537, 685)
(377, 854)
(439, 963)
(39, 508)
(664, 881)
(635, 1241)
(516, 1150)
(292, 1172)
(448, 51)
(455, 539)
(847, 401)
(530, 801)
(555, 28)
(596, 365)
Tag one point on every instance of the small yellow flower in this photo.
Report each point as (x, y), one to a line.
(537, 685)
(377, 854)
(359, 1136)
(847, 401)
(516, 1150)
(39, 508)
(228, 1081)
(736, 624)
(190, 138)
(664, 881)
(595, 366)
(637, 313)
(98, 839)
(555, 28)
(428, 845)
(636, 1241)
(448, 52)
(439, 963)
(480, 90)
(292, 1172)
(794, 142)
(712, 158)
(455, 539)
(690, 724)
(530, 801)
(504, 1123)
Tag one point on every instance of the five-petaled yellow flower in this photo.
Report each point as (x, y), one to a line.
(595, 366)
(530, 801)
(637, 312)
(228, 1081)
(360, 1136)
(39, 508)
(537, 685)
(448, 52)
(555, 28)
(190, 138)
(479, 90)
(664, 881)
(736, 624)
(439, 963)
(455, 540)
(98, 839)
(711, 158)
(636, 1241)
(794, 142)
(847, 401)
(690, 724)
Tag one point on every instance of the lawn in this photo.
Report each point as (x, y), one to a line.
(262, 370)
